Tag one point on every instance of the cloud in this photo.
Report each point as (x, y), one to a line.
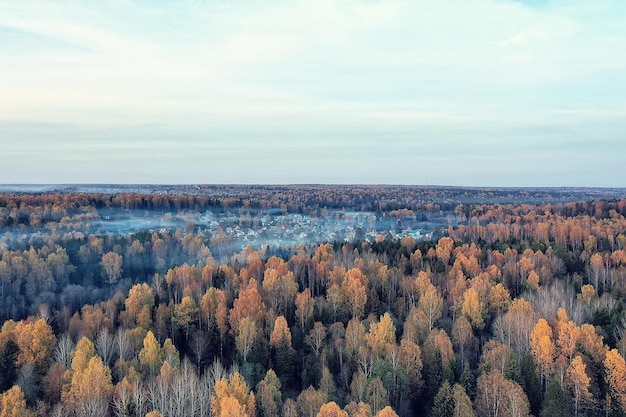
(220, 76)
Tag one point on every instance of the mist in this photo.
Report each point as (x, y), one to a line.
(226, 231)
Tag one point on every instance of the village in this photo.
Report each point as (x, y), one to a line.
(285, 230)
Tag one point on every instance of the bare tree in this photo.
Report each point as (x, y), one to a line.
(204, 396)
(198, 348)
(158, 395)
(94, 407)
(135, 393)
(214, 373)
(105, 345)
(63, 351)
(123, 345)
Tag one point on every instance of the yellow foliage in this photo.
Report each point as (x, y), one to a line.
(578, 381)
(615, 368)
(381, 334)
(473, 308)
(232, 398)
(36, 341)
(387, 412)
(533, 281)
(542, 347)
(281, 332)
(331, 409)
(91, 383)
(151, 356)
(82, 354)
(13, 403)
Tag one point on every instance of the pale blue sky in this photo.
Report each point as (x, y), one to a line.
(450, 92)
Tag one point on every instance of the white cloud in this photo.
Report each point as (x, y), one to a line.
(313, 67)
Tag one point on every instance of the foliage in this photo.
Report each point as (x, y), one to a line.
(513, 309)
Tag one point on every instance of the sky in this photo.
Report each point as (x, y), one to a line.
(446, 92)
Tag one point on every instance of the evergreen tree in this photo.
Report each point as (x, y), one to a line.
(555, 403)
(130, 408)
(530, 382)
(284, 363)
(468, 381)
(8, 357)
(512, 368)
(444, 401)
(433, 373)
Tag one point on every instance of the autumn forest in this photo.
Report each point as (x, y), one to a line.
(313, 301)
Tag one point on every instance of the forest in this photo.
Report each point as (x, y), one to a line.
(512, 306)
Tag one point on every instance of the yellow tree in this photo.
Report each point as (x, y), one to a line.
(387, 412)
(578, 382)
(331, 409)
(36, 342)
(282, 351)
(524, 266)
(567, 334)
(304, 307)
(232, 398)
(472, 308)
(248, 304)
(280, 333)
(209, 304)
(615, 371)
(499, 298)
(246, 336)
(82, 354)
(381, 334)
(151, 355)
(139, 305)
(280, 287)
(444, 249)
(543, 349)
(533, 280)
(91, 388)
(430, 303)
(354, 292)
(587, 294)
(230, 407)
(592, 343)
(13, 403)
